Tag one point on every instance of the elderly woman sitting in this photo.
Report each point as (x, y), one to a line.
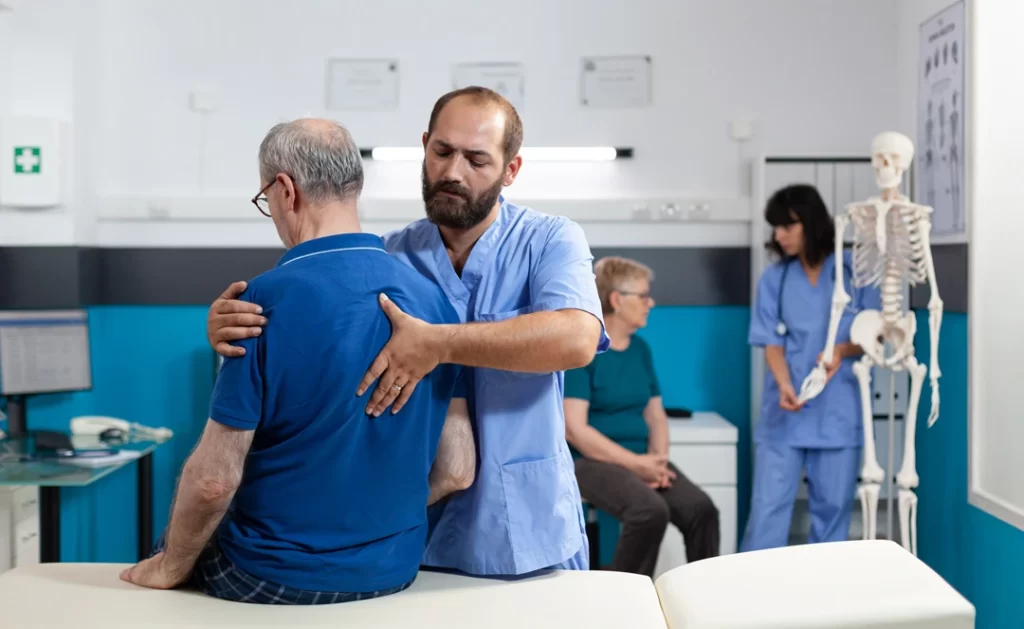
(618, 393)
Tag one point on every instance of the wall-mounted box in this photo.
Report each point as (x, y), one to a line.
(30, 162)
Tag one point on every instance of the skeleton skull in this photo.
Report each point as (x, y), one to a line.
(891, 154)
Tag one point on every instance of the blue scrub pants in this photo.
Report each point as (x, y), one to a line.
(831, 479)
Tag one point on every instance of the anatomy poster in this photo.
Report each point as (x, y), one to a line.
(939, 155)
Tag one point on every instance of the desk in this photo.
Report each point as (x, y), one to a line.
(50, 475)
(703, 447)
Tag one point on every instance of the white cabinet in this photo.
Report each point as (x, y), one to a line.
(703, 447)
(19, 527)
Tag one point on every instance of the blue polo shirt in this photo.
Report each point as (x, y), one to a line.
(332, 500)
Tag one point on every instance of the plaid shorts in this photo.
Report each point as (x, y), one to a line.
(216, 576)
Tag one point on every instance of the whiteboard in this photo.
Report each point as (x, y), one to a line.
(995, 198)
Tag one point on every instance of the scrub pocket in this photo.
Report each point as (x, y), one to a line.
(541, 512)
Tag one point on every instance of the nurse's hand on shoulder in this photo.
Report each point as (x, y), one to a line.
(230, 319)
(788, 399)
(412, 352)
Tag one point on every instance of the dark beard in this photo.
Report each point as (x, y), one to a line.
(462, 212)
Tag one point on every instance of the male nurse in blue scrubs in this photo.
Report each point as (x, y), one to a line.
(523, 285)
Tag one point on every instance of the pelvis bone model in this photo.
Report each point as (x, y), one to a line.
(891, 246)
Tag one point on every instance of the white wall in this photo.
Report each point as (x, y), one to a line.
(995, 202)
(37, 73)
(816, 77)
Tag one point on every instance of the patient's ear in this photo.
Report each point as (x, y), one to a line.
(288, 191)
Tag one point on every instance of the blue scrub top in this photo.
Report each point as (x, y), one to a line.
(523, 512)
(833, 419)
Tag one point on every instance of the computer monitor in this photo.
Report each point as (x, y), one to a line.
(41, 351)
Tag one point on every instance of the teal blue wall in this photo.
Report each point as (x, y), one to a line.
(703, 364)
(978, 554)
(152, 365)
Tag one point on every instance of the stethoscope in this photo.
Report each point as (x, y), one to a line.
(780, 327)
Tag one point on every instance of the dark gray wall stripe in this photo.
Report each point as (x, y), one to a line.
(42, 277)
(177, 276)
(693, 276)
(951, 277)
(66, 277)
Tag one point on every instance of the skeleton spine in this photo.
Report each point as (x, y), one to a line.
(892, 293)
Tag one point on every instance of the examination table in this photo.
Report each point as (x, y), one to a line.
(863, 585)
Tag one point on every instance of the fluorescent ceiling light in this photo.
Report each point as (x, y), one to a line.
(396, 154)
(531, 153)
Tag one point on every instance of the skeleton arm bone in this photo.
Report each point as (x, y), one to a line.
(815, 381)
(934, 317)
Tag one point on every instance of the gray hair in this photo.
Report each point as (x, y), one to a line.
(319, 155)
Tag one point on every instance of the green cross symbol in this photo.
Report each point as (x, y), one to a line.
(27, 160)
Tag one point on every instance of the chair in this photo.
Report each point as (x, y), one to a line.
(593, 535)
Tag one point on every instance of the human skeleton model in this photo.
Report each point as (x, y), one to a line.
(891, 246)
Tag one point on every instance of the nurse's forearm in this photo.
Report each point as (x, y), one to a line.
(849, 350)
(776, 358)
(540, 342)
(596, 447)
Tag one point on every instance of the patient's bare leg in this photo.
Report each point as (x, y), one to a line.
(455, 465)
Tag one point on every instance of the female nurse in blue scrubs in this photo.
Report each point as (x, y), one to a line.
(790, 321)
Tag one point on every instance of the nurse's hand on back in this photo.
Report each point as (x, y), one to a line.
(790, 321)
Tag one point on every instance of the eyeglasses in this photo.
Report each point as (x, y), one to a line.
(644, 296)
(260, 200)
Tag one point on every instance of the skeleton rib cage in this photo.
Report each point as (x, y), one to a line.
(904, 256)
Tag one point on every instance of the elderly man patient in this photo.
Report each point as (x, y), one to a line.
(332, 505)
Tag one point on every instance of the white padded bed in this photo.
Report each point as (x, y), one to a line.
(90, 596)
(848, 585)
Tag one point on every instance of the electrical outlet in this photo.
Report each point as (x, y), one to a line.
(641, 213)
(698, 212)
(158, 211)
(670, 212)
